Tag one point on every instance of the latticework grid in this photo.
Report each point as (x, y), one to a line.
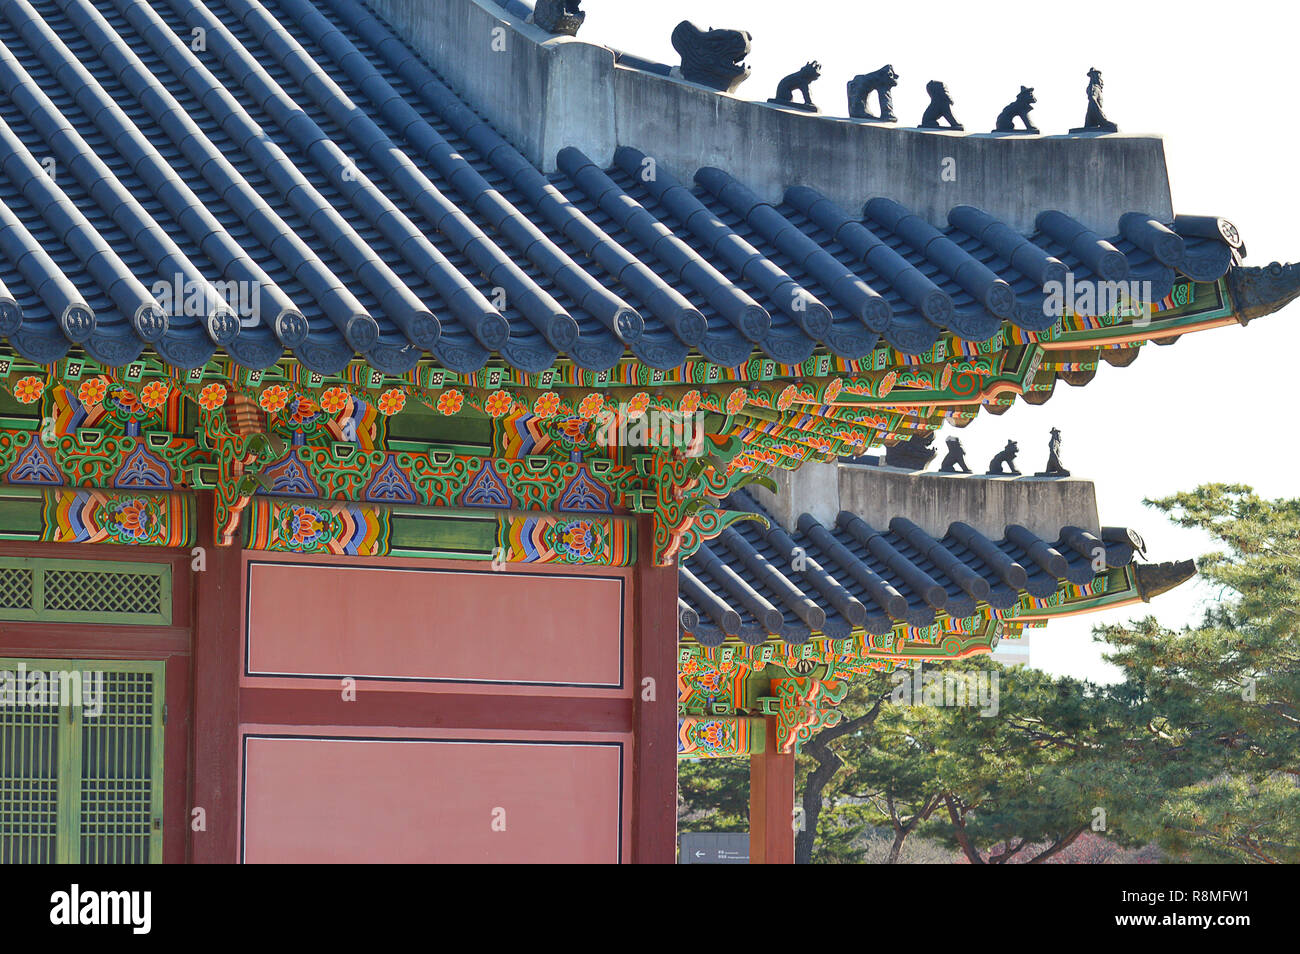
(29, 780)
(80, 761)
(17, 587)
(93, 591)
(117, 764)
(90, 591)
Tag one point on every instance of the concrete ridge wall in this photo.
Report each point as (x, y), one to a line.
(544, 93)
(931, 500)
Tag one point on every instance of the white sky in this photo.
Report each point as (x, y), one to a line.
(1218, 81)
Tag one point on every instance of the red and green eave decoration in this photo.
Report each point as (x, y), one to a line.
(251, 431)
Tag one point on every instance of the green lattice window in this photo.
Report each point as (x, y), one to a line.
(17, 587)
(81, 783)
(84, 591)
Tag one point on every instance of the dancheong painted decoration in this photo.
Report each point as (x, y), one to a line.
(315, 364)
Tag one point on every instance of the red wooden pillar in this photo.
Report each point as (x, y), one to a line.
(654, 812)
(771, 803)
(218, 591)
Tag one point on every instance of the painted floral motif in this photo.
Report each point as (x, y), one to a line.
(637, 404)
(131, 519)
(304, 410)
(708, 738)
(498, 403)
(577, 538)
(273, 399)
(712, 735)
(786, 397)
(571, 430)
(710, 682)
(450, 402)
(690, 402)
(125, 399)
(154, 394)
(391, 401)
(212, 396)
(92, 391)
(689, 666)
(736, 400)
(833, 390)
(590, 406)
(333, 400)
(546, 404)
(306, 525)
(28, 390)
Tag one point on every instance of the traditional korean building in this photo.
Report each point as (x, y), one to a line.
(420, 429)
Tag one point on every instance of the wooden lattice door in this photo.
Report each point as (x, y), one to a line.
(81, 772)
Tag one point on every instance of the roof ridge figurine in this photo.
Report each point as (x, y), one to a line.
(561, 17)
(1054, 466)
(955, 460)
(799, 80)
(712, 57)
(914, 453)
(1005, 456)
(940, 108)
(882, 83)
(1020, 106)
(1095, 120)
(1258, 290)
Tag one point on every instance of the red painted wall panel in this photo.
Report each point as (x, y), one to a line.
(404, 801)
(506, 628)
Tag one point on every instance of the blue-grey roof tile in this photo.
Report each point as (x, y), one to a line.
(311, 157)
(752, 583)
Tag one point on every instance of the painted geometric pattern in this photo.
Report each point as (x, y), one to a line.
(584, 495)
(332, 415)
(339, 529)
(35, 465)
(390, 485)
(142, 470)
(289, 478)
(717, 737)
(803, 707)
(344, 471)
(96, 460)
(361, 530)
(336, 427)
(706, 689)
(94, 516)
(589, 540)
(96, 403)
(486, 489)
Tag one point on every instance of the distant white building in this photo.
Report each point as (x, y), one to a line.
(1013, 650)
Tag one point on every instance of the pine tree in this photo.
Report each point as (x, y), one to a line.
(1221, 701)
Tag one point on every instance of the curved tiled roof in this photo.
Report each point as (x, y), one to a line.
(309, 156)
(752, 583)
